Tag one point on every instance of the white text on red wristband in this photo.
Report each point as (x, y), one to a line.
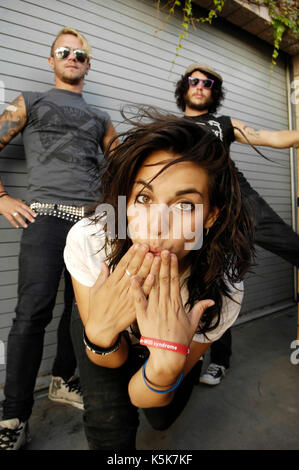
(168, 345)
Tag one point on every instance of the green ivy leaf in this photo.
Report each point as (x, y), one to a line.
(284, 16)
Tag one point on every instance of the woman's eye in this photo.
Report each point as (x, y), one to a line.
(142, 199)
(185, 206)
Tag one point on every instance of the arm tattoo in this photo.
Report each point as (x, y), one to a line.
(12, 121)
(250, 131)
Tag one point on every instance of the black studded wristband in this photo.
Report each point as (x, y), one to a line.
(97, 349)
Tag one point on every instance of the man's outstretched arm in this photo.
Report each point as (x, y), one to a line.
(275, 139)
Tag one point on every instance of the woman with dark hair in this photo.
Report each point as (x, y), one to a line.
(157, 271)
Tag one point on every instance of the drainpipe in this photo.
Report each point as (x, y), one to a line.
(293, 104)
(292, 159)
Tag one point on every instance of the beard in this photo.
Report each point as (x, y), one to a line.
(198, 106)
(69, 78)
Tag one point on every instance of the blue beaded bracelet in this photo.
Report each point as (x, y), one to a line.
(173, 387)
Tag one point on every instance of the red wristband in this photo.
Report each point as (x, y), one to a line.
(168, 345)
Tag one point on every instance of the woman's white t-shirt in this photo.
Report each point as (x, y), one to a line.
(84, 252)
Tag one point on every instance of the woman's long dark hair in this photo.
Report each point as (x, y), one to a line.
(226, 252)
(183, 85)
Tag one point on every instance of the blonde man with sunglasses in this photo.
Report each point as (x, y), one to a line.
(62, 135)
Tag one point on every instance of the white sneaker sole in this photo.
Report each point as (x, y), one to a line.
(64, 401)
(209, 381)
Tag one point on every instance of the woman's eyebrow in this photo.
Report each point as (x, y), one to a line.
(177, 193)
(144, 183)
(187, 191)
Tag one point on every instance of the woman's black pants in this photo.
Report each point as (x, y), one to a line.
(110, 420)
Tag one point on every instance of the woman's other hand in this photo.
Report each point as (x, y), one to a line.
(111, 304)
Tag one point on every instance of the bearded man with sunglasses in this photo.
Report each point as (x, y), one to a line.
(62, 135)
(199, 94)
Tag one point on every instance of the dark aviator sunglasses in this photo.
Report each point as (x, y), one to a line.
(62, 53)
(206, 82)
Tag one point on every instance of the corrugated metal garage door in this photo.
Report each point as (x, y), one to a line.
(131, 64)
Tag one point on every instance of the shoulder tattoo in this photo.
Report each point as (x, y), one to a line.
(12, 120)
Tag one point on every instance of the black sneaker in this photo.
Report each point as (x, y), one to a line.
(213, 374)
(13, 434)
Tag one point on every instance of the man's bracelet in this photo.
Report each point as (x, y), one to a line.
(97, 349)
(168, 345)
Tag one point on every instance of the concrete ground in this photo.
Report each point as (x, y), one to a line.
(256, 406)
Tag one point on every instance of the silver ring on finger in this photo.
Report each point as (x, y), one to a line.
(128, 273)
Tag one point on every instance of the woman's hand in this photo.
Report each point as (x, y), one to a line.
(111, 304)
(163, 317)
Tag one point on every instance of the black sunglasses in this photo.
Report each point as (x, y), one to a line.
(206, 82)
(62, 53)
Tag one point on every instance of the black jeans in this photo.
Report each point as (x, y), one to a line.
(40, 267)
(110, 420)
(221, 349)
(272, 234)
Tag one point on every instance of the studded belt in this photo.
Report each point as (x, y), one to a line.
(70, 213)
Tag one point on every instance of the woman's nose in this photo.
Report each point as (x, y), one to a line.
(159, 221)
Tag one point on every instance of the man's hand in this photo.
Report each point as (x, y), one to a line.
(16, 211)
